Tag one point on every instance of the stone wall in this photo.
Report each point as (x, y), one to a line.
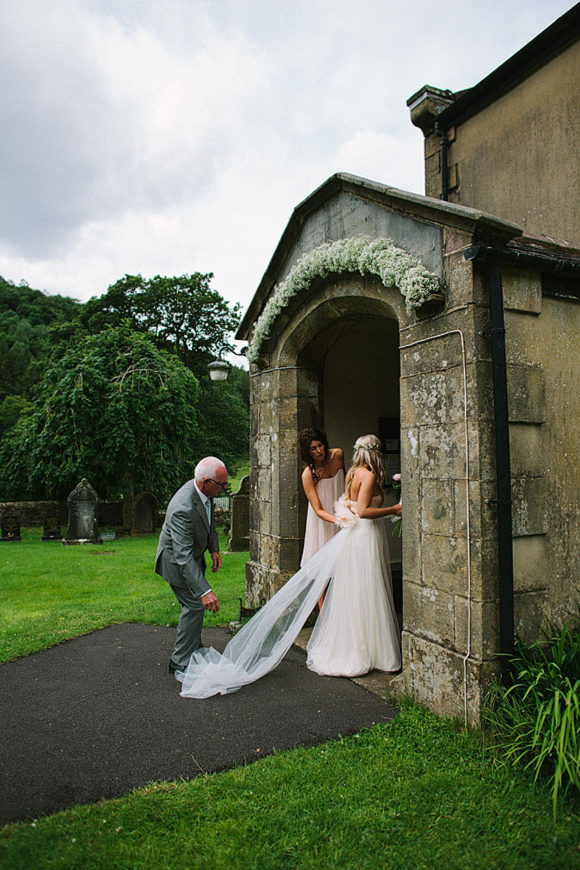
(33, 513)
(450, 593)
(543, 355)
(517, 156)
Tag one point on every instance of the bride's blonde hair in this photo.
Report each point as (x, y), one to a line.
(367, 453)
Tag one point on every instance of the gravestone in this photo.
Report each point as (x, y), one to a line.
(239, 538)
(10, 528)
(128, 514)
(51, 530)
(144, 511)
(82, 519)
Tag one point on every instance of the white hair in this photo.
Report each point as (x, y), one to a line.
(207, 468)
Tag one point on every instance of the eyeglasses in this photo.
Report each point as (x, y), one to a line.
(223, 486)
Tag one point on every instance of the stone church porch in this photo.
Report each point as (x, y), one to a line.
(342, 341)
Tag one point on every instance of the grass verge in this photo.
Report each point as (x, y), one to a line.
(413, 793)
(51, 592)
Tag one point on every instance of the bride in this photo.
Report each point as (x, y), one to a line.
(356, 629)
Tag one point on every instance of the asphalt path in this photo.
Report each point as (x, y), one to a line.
(99, 715)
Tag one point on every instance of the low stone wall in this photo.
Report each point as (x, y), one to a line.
(34, 513)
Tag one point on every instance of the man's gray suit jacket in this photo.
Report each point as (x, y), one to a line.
(185, 536)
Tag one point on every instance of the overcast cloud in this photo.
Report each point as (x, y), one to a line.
(177, 136)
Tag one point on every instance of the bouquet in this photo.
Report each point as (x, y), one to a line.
(396, 487)
(344, 515)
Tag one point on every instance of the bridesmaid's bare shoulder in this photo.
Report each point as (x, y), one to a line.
(336, 459)
(306, 473)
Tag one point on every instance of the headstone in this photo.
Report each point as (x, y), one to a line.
(51, 530)
(239, 538)
(128, 511)
(10, 528)
(82, 519)
(144, 510)
(128, 520)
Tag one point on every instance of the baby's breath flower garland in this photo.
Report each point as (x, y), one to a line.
(361, 254)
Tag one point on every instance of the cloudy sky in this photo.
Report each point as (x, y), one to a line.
(173, 136)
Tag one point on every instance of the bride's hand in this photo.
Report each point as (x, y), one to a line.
(397, 510)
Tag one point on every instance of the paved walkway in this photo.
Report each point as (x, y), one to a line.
(99, 715)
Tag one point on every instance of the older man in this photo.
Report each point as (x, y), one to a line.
(188, 531)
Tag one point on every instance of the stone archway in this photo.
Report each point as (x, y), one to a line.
(342, 335)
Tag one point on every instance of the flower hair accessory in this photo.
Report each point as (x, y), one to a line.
(372, 447)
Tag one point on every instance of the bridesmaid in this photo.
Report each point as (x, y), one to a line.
(323, 484)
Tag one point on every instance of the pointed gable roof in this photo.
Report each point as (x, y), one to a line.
(402, 210)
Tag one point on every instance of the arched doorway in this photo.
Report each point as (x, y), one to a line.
(344, 323)
(357, 358)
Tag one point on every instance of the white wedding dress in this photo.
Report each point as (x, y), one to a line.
(356, 629)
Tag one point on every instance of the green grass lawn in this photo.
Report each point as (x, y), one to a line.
(50, 592)
(413, 793)
(417, 792)
(240, 470)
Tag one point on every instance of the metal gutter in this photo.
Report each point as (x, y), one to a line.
(551, 42)
(443, 148)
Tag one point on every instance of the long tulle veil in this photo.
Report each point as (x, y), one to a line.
(261, 644)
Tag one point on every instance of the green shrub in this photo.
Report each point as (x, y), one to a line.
(534, 720)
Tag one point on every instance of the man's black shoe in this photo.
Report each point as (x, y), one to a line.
(173, 667)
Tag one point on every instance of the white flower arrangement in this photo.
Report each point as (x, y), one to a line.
(345, 512)
(360, 254)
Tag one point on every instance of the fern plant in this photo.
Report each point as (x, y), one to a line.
(535, 720)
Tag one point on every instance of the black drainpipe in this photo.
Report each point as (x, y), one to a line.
(440, 131)
(496, 334)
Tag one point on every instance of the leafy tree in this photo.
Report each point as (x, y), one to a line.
(224, 421)
(182, 314)
(46, 338)
(113, 409)
(12, 409)
(239, 382)
(35, 306)
(26, 318)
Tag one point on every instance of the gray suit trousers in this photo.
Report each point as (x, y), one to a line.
(188, 638)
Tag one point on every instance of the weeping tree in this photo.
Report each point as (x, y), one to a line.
(114, 409)
(186, 316)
